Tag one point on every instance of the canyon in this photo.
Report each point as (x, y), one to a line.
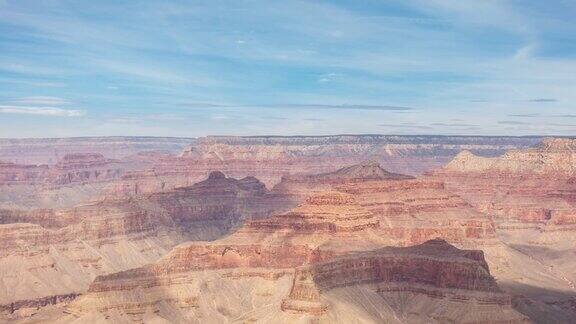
(334, 229)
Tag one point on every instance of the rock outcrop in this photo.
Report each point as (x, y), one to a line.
(72, 168)
(408, 211)
(12, 173)
(271, 158)
(85, 167)
(530, 195)
(181, 291)
(430, 268)
(155, 240)
(554, 157)
(324, 212)
(531, 188)
(61, 251)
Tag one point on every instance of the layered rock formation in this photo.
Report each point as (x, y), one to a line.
(434, 268)
(324, 212)
(318, 247)
(72, 168)
(301, 185)
(413, 211)
(553, 157)
(271, 158)
(531, 196)
(49, 151)
(85, 167)
(76, 178)
(12, 173)
(149, 165)
(409, 211)
(181, 292)
(525, 188)
(59, 252)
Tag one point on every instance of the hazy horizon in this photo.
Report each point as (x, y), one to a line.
(196, 68)
(289, 136)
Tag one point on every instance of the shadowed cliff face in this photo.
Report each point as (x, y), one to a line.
(331, 242)
(49, 246)
(531, 195)
(302, 289)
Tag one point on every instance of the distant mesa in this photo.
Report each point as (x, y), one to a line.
(216, 175)
(554, 157)
(563, 145)
(529, 189)
(368, 170)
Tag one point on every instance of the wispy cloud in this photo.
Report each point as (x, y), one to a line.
(535, 115)
(565, 116)
(273, 118)
(454, 125)
(543, 100)
(406, 126)
(525, 115)
(44, 111)
(311, 106)
(347, 107)
(41, 100)
(512, 122)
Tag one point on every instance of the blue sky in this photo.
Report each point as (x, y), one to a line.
(195, 68)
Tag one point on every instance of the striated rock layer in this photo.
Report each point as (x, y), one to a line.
(329, 232)
(316, 248)
(271, 158)
(408, 210)
(532, 188)
(286, 293)
(531, 196)
(37, 173)
(426, 268)
(59, 252)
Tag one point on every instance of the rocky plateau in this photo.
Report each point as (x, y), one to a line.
(335, 229)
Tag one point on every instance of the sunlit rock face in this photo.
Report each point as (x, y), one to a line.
(532, 188)
(299, 262)
(408, 210)
(62, 251)
(336, 229)
(271, 158)
(531, 196)
(179, 288)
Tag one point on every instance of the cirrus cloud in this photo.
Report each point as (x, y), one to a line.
(44, 111)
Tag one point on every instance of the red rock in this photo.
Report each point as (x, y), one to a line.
(532, 186)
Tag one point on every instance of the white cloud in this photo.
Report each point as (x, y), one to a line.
(525, 52)
(44, 111)
(220, 117)
(41, 100)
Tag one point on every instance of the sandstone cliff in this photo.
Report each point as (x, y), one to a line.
(530, 194)
(59, 252)
(458, 280)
